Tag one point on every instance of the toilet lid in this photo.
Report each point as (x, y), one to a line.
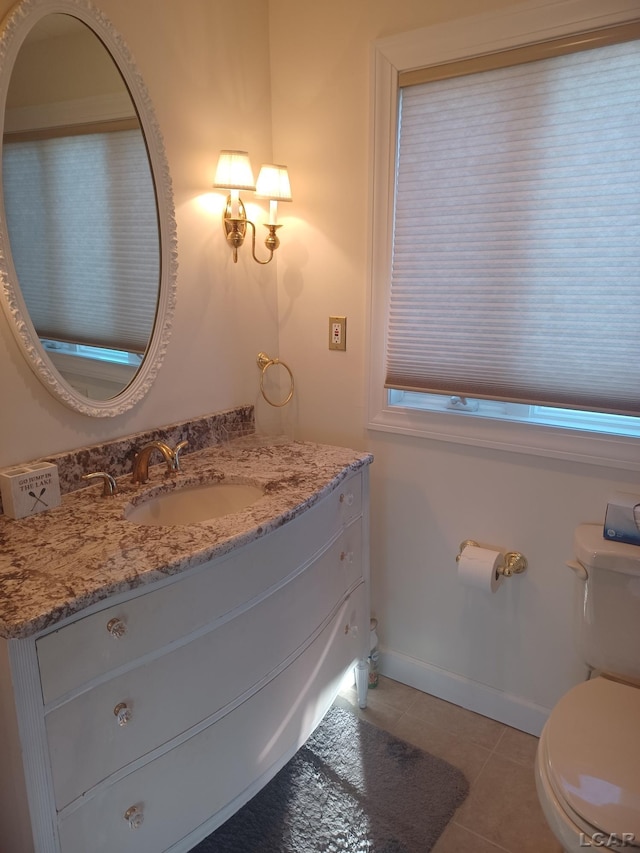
(593, 755)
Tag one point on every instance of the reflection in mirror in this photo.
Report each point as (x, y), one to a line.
(81, 213)
(80, 207)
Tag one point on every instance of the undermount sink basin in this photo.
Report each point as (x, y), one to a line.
(193, 504)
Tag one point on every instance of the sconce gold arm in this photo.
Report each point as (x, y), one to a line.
(235, 229)
(271, 242)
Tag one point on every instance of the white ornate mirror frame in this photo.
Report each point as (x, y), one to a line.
(14, 29)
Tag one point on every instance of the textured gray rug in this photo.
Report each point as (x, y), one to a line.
(351, 788)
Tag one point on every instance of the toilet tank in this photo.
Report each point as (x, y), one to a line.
(609, 623)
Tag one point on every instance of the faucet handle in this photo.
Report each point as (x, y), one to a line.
(180, 446)
(110, 487)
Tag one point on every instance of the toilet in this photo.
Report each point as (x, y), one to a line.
(588, 759)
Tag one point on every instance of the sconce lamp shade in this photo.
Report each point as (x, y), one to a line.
(234, 172)
(273, 183)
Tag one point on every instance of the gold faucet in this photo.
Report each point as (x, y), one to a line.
(171, 457)
(109, 487)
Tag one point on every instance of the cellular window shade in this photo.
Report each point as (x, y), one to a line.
(83, 229)
(516, 246)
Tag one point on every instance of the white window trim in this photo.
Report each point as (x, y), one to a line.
(524, 23)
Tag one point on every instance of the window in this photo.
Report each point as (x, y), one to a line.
(512, 285)
(554, 416)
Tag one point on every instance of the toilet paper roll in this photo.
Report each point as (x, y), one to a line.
(478, 568)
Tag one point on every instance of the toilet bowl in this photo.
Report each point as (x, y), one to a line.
(588, 761)
(588, 767)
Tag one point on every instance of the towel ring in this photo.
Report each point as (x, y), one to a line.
(265, 362)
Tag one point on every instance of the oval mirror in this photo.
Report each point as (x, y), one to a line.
(87, 234)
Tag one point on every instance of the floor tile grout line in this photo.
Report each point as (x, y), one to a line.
(476, 778)
(391, 715)
(491, 751)
(406, 713)
(498, 742)
(398, 715)
(482, 837)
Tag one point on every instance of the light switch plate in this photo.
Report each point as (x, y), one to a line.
(338, 333)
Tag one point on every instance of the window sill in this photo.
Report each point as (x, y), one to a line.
(531, 439)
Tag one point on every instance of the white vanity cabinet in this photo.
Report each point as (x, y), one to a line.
(142, 723)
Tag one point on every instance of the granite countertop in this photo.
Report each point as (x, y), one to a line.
(59, 562)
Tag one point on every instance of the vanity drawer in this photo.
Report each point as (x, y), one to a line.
(182, 688)
(188, 785)
(94, 645)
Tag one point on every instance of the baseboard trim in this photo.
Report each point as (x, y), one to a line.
(504, 707)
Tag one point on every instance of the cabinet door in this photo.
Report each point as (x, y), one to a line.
(188, 786)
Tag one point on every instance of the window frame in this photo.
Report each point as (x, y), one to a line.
(443, 43)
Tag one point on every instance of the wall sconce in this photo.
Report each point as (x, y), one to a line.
(234, 173)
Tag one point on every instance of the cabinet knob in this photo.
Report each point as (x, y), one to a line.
(347, 498)
(123, 713)
(116, 627)
(346, 557)
(134, 817)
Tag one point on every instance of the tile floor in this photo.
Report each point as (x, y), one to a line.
(501, 813)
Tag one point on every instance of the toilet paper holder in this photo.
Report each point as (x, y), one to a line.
(514, 562)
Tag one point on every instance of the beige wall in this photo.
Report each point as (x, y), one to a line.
(207, 73)
(427, 496)
(511, 653)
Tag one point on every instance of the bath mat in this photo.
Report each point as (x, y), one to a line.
(352, 788)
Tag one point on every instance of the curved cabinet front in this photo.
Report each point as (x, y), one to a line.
(146, 723)
(99, 643)
(197, 680)
(181, 789)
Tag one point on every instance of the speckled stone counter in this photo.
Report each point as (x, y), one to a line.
(57, 563)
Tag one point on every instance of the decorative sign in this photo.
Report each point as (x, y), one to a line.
(29, 489)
